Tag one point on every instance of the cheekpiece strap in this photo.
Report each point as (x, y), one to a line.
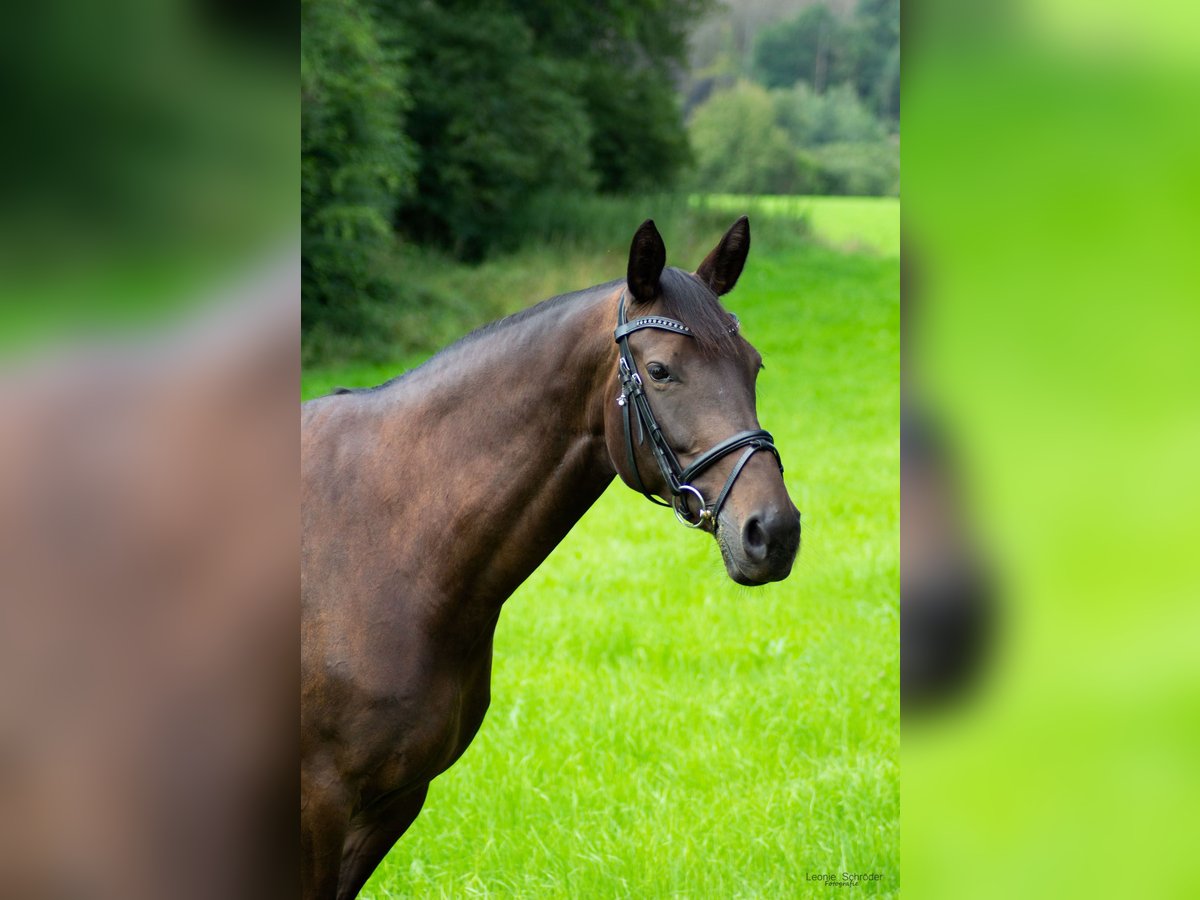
(635, 404)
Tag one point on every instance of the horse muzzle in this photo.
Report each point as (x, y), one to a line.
(761, 548)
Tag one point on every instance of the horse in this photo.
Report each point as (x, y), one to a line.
(426, 501)
(149, 577)
(948, 594)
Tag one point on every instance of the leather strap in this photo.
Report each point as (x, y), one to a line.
(650, 322)
(631, 382)
(633, 399)
(737, 470)
(761, 440)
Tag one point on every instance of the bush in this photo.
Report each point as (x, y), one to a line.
(860, 169)
(738, 147)
(837, 116)
(565, 224)
(747, 140)
(810, 174)
(567, 242)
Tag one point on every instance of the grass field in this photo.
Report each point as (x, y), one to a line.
(657, 730)
(852, 224)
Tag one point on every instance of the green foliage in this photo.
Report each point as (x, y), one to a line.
(860, 169)
(836, 116)
(639, 35)
(739, 146)
(564, 242)
(442, 120)
(834, 91)
(750, 140)
(355, 161)
(814, 47)
(629, 54)
(603, 225)
(494, 121)
(638, 139)
(876, 53)
(511, 99)
(821, 50)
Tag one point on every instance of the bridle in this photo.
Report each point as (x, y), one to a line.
(678, 478)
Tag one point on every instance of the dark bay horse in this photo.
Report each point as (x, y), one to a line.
(428, 500)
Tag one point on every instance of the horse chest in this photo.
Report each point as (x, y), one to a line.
(421, 736)
(462, 713)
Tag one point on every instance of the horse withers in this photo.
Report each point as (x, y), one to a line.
(427, 500)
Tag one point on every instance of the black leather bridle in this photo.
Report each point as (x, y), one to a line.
(678, 478)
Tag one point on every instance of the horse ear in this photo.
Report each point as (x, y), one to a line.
(721, 268)
(647, 256)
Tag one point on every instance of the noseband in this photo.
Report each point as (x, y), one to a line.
(633, 398)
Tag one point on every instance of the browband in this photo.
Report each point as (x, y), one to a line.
(633, 399)
(650, 322)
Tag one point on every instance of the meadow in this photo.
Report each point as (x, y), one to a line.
(655, 729)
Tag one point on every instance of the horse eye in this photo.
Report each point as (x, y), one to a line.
(658, 371)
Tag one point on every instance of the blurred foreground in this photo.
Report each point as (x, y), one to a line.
(1051, 210)
(149, 321)
(149, 622)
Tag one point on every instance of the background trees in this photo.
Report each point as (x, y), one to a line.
(511, 99)
(832, 73)
(446, 125)
(439, 121)
(357, 163)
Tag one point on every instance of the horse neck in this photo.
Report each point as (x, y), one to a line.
(510, 447)
(542, 373)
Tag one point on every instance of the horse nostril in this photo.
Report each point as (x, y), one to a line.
(754, 539)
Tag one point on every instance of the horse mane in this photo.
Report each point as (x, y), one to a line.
(529, 312)
(688, 299)
(684, 297)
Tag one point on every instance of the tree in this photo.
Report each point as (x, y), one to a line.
(750, 140)
(876, 50)
(738, 146)
(814, 47)
(630, 54)
(837, 115)
(639, 142)
(516, 97)
(355, 161)
(494, 121)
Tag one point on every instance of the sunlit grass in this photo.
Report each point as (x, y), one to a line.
(855, 224)
(655, 729)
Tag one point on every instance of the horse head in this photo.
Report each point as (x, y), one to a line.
(684, 426)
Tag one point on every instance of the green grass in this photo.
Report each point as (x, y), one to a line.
(853, 224)
(657, 730)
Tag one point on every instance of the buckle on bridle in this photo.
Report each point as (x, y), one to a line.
(705, 515)
(631, 382)
(676, 476)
